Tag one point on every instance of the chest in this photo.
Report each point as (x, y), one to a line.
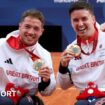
(89, 62)
(16, 62)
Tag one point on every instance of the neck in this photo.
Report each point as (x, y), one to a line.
(85, 37)
(93, 38)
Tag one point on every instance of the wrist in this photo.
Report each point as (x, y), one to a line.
(63, 69)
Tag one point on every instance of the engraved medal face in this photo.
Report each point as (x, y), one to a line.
(38, 64)
(76, 49)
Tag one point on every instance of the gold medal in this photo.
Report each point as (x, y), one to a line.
(77, 50)
(38, 64)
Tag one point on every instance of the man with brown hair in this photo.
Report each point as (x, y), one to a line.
(25, 66)
(82, 64)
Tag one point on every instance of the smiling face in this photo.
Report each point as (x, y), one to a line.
(83, 22)
(30, 29)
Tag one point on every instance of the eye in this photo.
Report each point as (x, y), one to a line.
(75, 20)
(84, 18)
(27, 27)
(37, 28)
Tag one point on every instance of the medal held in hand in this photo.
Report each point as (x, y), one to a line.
(76, 50)
(38, 64)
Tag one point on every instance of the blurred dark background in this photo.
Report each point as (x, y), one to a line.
(51, 38)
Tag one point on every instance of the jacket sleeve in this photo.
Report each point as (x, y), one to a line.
(47, 88)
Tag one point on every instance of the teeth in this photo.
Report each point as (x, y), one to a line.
(81, 29)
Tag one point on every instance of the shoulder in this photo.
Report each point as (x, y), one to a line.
(45, 55)
(101, 34)
(13, 33)
(101, 37)
(42, 50)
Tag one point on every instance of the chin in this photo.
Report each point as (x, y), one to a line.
(81, 35)
(29, 44)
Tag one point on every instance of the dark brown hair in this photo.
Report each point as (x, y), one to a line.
(81, 5)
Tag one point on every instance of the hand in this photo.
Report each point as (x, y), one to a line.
(66, 56)
(45, 73)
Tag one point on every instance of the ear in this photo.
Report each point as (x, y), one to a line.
(19, 25)
(94, 19)
(42, 31)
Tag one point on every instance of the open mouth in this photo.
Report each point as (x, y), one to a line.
(82, 30)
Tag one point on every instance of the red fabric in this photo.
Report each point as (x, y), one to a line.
(16, 44)
(95, 92)
(94, 36)
(19, 92)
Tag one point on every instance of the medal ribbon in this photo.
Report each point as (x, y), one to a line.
(94, 39)
(16, 44)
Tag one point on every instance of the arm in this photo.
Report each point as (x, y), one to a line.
(48, 83)
(64, 76)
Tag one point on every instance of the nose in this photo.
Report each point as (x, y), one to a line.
(31, 31)
(80, 23)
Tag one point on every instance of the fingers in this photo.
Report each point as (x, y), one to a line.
(66, 56)
(45, 73)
